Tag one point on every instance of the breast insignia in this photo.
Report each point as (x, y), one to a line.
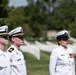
(11, 49)
(71, 55)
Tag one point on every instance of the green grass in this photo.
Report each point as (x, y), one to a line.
(37, 67)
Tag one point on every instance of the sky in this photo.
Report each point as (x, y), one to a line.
(17, 3)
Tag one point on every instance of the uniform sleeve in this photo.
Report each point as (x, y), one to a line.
(73, 68)
(52, 63)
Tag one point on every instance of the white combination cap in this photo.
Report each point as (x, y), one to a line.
(16, 32)
(61, 33)
(3, 30)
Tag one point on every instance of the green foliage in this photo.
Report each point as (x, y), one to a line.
(75, 61)
(4, 21)
(4, 12)
(42, 15)
(16, 18)
(35, 19)
(60, 17)
(73, 29)
(27, 30)
(4, 8)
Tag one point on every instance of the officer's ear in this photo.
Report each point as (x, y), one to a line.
(58, 41)
(12, 39)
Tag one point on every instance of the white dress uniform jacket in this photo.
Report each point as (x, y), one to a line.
(62, 61)
(18, 64)
(4, 63)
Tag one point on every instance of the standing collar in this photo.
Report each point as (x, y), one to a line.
(63, 47)
(1, 52)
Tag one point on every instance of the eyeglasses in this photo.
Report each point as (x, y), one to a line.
(4, 36)
(65, 38)
(20, 37)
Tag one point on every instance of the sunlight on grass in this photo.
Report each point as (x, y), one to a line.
(35, 67)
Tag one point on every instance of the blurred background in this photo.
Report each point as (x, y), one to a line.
(41, 20)
(39, 17)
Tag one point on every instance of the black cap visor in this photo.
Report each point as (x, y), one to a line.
(63, 37)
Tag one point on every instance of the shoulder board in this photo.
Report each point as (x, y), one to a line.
(11, 49)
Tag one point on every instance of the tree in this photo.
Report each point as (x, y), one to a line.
(3, 11)
(38, 14)
(35, 18)
(42, 15)
(16, 17)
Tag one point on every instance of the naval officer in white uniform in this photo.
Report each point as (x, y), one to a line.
(62, 57)
(4, 58)
(18, 65)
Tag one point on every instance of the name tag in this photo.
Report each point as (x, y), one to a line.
(63, 55)
(18, 59)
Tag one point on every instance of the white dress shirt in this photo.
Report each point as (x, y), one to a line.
(62, 61)
(18, 64)
(4, 63)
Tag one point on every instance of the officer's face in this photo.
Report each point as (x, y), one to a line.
(4, 40)
(63, 42)
(18, 40)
